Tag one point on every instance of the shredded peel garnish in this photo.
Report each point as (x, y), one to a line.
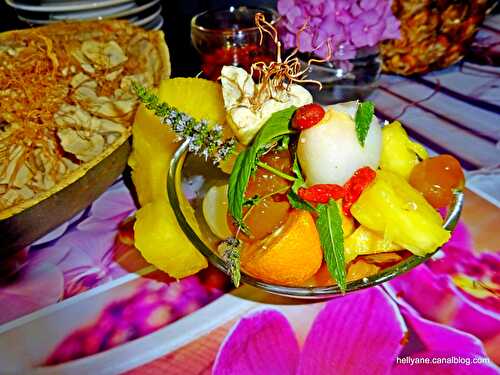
(277, 76)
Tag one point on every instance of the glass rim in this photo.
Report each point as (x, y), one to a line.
(303, 292)
(194, 25)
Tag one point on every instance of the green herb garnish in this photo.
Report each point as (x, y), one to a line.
(253, 201)
(246, 163)
(331, 236)
(230, 249)
(293, 197)
(205, 139)
(363, 119)
(297, 202)
(299, 182)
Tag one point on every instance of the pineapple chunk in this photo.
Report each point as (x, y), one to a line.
(399, 153)
(395, 210)
(364, 241)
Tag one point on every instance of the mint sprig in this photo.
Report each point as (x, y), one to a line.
(205, 139)
(363, 119)
(230, 249)
(331, 236)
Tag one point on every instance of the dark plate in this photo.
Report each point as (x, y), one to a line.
(32, 223)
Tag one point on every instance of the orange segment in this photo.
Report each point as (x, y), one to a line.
(290, 256)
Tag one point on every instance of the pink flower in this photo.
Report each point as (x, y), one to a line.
(458, 288)
(362, 333)
(349, 24)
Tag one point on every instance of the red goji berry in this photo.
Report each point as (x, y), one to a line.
(321, 193)
(307, 116)
(355, 186)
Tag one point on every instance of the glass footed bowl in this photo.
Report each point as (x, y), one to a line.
(189, 177)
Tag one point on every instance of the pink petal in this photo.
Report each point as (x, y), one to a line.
(374, 34)
(260, 343)
(109, 210)
(369, 4)
(358, 34)
(59, 231)
(356, 334)
(460, 238)
(432, 340)
(440, 338)
(35, 287)
(392, 28)
(284, 6)
(444, 303)
(115, 200)
(306, 41)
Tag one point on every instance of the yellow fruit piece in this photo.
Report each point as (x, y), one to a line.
(157, 234)
(198, 97)
(161, 242)
(290, 256)
(347, 221)
(364, 241)
(399, 213)
(391, 257)
(215, 211)
(360, 269)
(399, 153)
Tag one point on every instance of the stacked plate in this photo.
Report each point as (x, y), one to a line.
(144, 13)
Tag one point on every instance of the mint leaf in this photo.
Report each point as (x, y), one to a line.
(331, 236)
(293, 196)
(363, 119)
(299, 182)
(273, 131)
(297, 202)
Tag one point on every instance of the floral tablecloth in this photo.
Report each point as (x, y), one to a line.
(86, 302)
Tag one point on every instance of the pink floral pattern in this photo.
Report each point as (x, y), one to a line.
(362, 333)
(75, 257)
(153, 305)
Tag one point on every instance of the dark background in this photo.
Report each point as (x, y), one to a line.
(177, 15)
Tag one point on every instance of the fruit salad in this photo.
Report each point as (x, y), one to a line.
(328, 187)
(313, 195)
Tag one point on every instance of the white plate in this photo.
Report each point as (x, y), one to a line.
(93, 14)
(147, 19)
(112, 12)
(156, 24)
(123, 14)
(159, 25)
(66, 6)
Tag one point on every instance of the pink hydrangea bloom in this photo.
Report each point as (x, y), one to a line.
(349, 24)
